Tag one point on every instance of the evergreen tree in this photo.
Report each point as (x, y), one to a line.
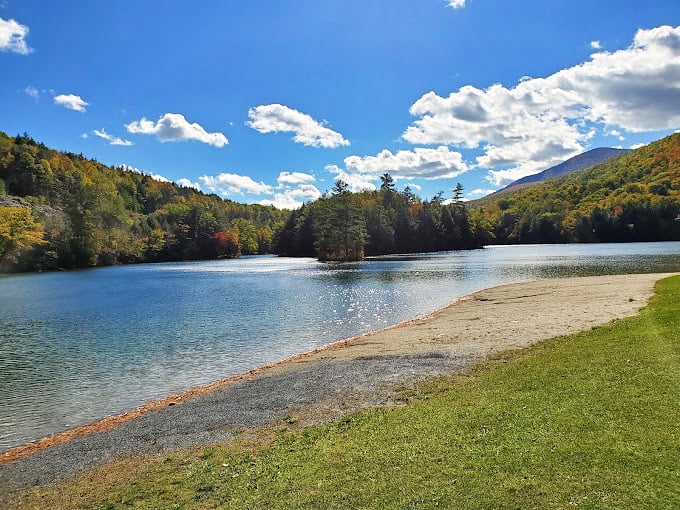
(458, 194)
(343, 227)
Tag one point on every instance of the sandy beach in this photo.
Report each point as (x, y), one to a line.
(339, 378)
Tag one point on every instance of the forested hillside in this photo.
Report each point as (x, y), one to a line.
(632, 198)
(74, 212)
(61, 210)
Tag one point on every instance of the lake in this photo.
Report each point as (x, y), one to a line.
(78, 346)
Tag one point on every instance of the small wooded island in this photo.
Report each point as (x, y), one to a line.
(61, 210)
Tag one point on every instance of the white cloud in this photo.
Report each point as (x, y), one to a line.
(596, 45)
(13, 37)
(283, 196)
(32, 91)
(543, 121)
(129, 168)
(113, 140)
(84, 135)
(360, 172)
(72, 102)
(357, 182)
(637, 145)
(478, 193)
(616, 133)
(136, 170)
(173, 127)
(186, 183)
(439, 163)
(275, 118)
(295, 178)
(456, 4)
(234, 184)
(450, 201)
(637, 89)
(505, 177)
(304, 191)
(293, 198)
(281, 201)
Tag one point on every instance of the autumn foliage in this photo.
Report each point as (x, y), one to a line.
(635, 197)
(76, 212)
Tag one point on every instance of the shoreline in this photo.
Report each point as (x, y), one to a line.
(352, 374)
(20, 451)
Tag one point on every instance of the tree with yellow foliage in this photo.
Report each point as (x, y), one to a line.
(18, 232)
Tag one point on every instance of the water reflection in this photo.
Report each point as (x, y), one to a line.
(81, 345)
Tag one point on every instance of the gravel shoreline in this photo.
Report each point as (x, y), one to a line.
(353, 374)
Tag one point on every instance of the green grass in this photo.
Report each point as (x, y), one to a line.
(590, 421)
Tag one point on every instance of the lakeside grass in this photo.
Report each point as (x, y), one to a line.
(590, 420)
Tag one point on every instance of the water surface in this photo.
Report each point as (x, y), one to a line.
(78, 346)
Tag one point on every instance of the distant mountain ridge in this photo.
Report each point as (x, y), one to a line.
(631, 198)
(585, 160)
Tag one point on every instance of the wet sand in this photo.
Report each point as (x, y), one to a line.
(342, 377)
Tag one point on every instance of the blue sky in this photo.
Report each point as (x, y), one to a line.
(267, 101)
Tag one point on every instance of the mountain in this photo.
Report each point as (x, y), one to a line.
(585, 160)
(633, 197)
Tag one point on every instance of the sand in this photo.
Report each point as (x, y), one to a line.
(346, 376)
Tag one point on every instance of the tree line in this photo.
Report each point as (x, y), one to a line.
(60, 210)
(345, 226)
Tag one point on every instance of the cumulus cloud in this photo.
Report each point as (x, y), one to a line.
(129, 168)
(478, 193)
(295, 178)
(186, 183)
(293, 198)
(234, 184)
(439, 163)
(305, 191)
(113, 140)
(136, 170)
(637, 145)
(357, 182)
(361, 172)
(281, 201)
(275, 118)
(13, 37)
(292, 191)
(71, 101)
(173, 127)
(595, 45)
(456, 4)
(543, 121)
(159, 177)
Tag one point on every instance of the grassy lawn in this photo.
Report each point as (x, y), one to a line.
(590, 420)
